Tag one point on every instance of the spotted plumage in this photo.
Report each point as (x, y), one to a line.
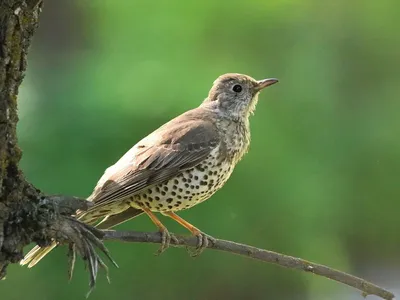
(178, 166)
(189, 188)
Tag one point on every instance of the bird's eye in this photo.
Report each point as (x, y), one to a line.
(237, 88)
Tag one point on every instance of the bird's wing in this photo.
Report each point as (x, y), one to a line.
(180, 144)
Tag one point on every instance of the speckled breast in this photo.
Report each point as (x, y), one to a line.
(188, 188)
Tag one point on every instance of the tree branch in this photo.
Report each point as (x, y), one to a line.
(367, 288)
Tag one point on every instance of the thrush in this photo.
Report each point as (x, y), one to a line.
(179, 165)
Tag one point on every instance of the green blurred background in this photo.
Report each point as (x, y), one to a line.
(321, 181)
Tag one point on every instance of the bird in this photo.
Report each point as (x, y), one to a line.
(179, 165)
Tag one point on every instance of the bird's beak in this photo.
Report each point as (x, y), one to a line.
(261, 84)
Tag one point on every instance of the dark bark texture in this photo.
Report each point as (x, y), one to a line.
(18, 22)
(27, 215)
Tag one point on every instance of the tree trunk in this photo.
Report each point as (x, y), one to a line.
(18, 22)
(26, 215)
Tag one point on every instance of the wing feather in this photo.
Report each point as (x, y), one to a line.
(179, 145)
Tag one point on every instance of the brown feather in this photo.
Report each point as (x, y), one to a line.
(180, 144)
(114, 220)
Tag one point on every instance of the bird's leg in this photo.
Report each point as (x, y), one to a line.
(165, 235)
(202, 238)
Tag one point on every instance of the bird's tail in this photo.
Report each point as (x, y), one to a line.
(37, 253)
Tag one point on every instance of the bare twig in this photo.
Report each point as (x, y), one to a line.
(367, 288)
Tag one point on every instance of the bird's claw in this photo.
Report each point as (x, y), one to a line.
(203, 241)
(166, 238)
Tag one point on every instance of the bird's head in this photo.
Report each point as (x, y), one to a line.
(236, 95)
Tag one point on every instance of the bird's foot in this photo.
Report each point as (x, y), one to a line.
(203, 241)
(166, 238)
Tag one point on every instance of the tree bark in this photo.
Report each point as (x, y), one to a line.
(27, 215)
(18, 22)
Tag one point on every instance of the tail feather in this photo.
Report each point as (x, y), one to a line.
(114, 220)
(36, 254)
